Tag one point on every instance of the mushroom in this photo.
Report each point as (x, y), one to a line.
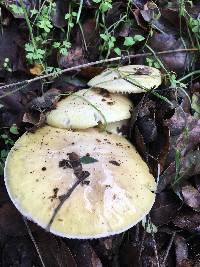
(79, 184)
(128, 79)
(118, 127)
(88, 108)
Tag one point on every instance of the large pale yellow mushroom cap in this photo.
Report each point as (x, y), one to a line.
(87, 108)
(116, 194)
(128, 79)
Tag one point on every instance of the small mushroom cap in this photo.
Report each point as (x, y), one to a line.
(128, 79)
(116, 194)
(87, 108)
(118, 127)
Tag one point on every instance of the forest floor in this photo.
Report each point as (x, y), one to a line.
(52, 47)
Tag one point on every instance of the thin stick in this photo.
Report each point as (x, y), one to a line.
(154, 243)
(93, 64)
(33, 240)
(168, 249)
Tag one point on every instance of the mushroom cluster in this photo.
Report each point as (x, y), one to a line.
(77, 179)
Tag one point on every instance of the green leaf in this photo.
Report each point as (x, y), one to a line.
(104, 37)
(105, 6)
(14, 129)
(1, 168)
(4, 136)
(138, 38)
(16, 9)
(118, 51)
(63, 51)
(67, 16)
(66, 44)
(129, 41)
(34, 12)
(87, 160)
(71, 24)
(29, 47)
(4, 153)
(74, 14)
(40, 51)
(56, 44)
(113, 39)
(96, 1)
(110, 44)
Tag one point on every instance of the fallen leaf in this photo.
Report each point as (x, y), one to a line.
(140, 144)
(75, 57)
(37, 70)
(189, 166)
(139, 3)
(165, 208)
(188, 220)
(88, 38)
(181, 251)
(62, 7)
(85, 255)
(53, 250)
(87, 159)
(191, 196)
(196, 104)
(91, 72)
(176, 62)
(184, 132)
(45, 102)
(11, 40)
(19, 251)
(65, 83)
(11, 222)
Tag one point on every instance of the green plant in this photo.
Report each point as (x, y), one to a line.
(130, 41)
(108, 43)
(62, 47)
(194, 25)
(6, 142)
(34, 55)
(41, 29)
(152, 63)
(16, 9)
(104, 5)
(7, 64)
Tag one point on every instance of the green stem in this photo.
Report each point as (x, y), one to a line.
(28, 23)
(157, 58)
(79, 11)
(189, 75)
(30, 30)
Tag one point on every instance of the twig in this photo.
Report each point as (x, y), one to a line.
(63, 198)
(168, 249)
(155, 250)
(93, 64)
(154, 243)
(142, 245)
(74, 163)
(33, 240)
